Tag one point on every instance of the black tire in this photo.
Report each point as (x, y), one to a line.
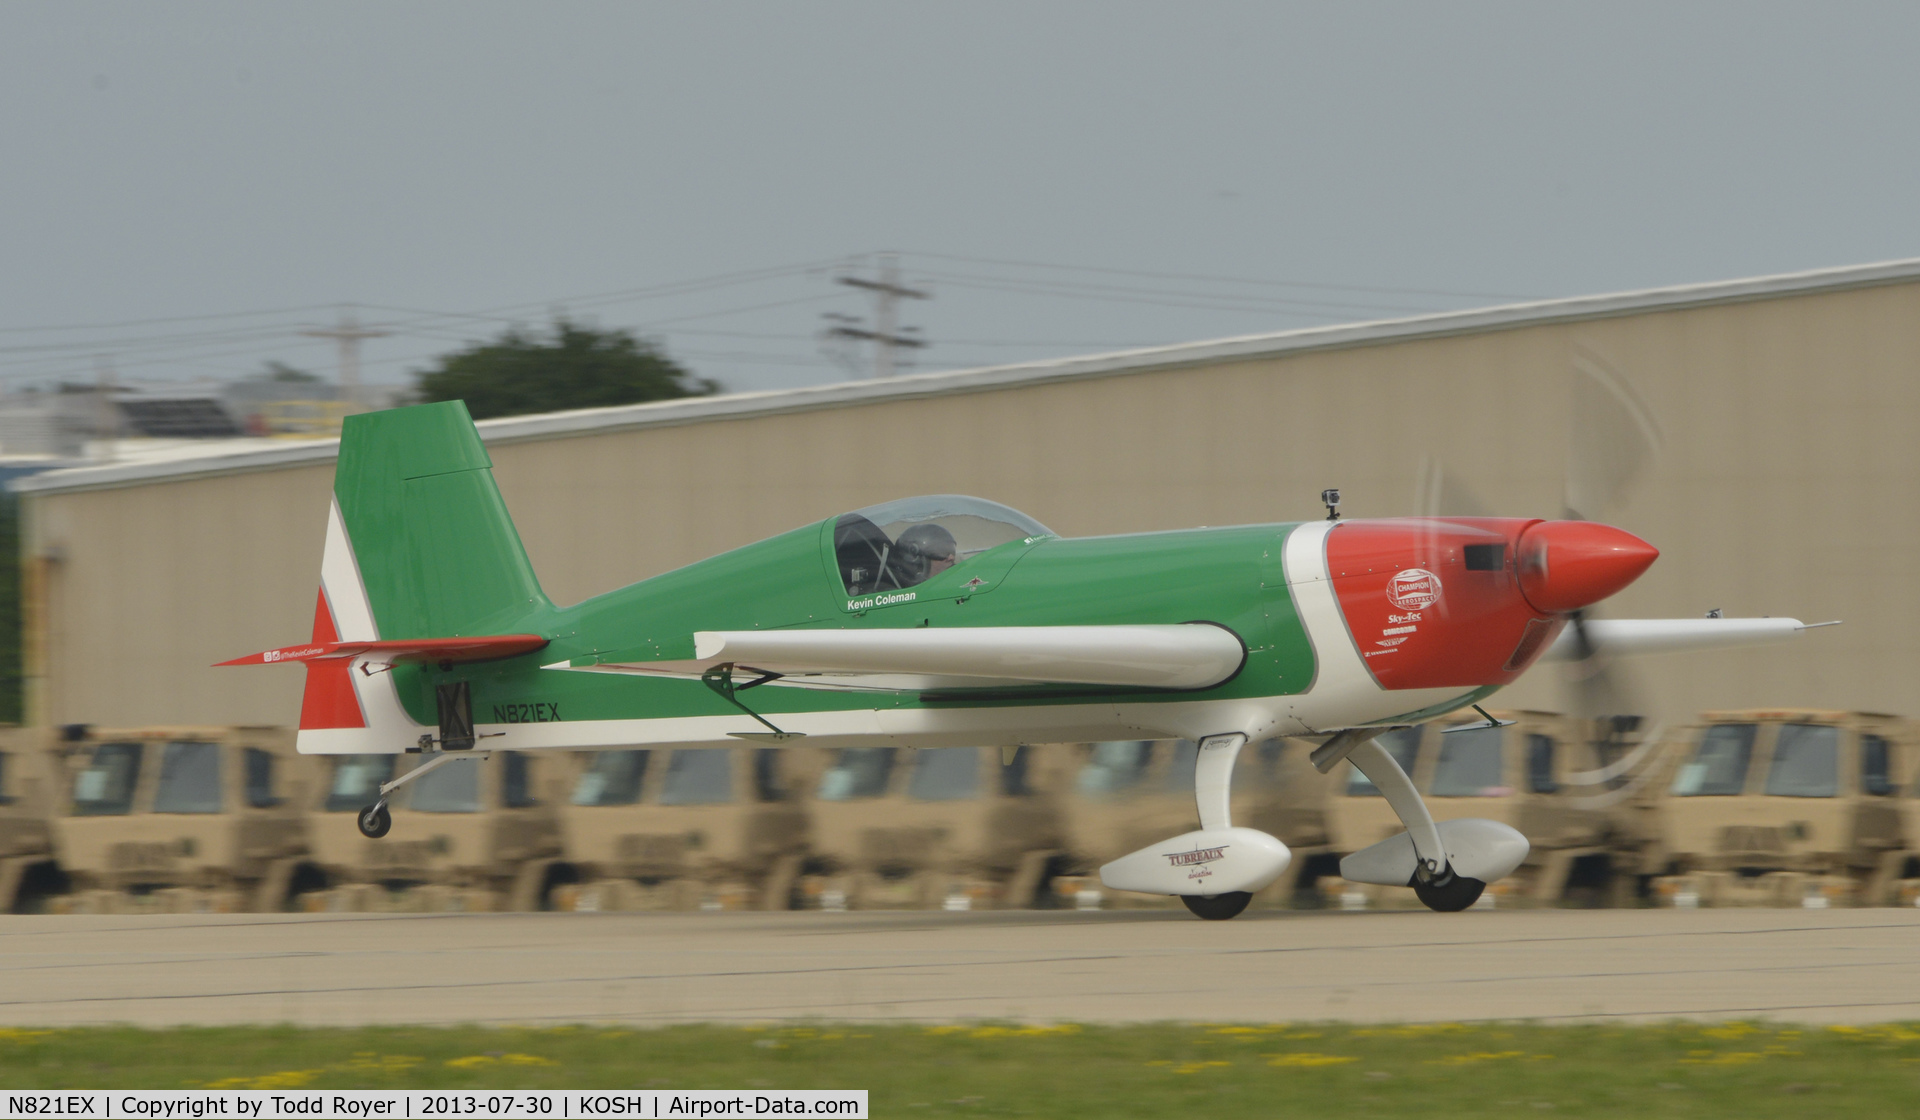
(375, 821)
(1218, 907)
(1450, 895)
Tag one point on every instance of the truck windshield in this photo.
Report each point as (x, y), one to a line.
(451, 787)
(189, 779)
(357, 779)
(1114, 767)
(858, 772)
(1719, 764)
(945, 774)
(613, 779)
(1403, 744)
(1469, 765)
(105, 788)
(1806, 761)
(698, 777)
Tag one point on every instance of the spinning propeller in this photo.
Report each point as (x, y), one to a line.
(1612, 439)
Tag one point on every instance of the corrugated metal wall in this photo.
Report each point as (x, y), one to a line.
(1788, 484)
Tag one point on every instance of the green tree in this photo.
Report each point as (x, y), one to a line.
(570, 367)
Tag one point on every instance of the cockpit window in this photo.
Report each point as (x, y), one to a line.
(899, 544)
(1719, 764)
(1806, 761)
(105, 788)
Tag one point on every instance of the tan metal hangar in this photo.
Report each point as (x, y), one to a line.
(1763, 433)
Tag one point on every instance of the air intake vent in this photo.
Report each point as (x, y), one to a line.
(1486, 557)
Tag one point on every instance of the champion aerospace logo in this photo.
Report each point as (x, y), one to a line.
(1415, 589)
(1198, 855)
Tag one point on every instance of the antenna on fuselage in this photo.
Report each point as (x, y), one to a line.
(1331, 499)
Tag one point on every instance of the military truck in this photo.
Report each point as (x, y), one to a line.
(1539, 774)
(28, 774)
(1126, 794)
(177, 819)
(1784, 807)
(959, 828)
(719, 828)
(476, 833)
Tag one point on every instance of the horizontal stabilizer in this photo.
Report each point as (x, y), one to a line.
(1176, 656)
(486, 648)
(1626, 636)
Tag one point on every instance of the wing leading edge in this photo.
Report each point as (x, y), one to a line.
(1626, 636)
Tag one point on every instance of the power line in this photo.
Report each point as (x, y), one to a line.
(1226, 279)
(885, 335)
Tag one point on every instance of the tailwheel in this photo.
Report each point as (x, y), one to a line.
(375, 821)
(1217, 907)
(1450, 893)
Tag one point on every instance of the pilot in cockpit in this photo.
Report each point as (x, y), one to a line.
(922, 552)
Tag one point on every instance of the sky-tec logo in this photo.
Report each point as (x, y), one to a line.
(1198, 855)
(526, 713)
(882, 600)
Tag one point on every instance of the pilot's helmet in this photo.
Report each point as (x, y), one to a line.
(924, 550)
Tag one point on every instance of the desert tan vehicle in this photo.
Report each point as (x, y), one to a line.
(955, 827)
(1124, 795)
(1527, 774)
(178, 819)
(28, 773)
(477, 833)
(721, 828)
(1785, 807)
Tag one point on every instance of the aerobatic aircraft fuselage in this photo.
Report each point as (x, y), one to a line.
(950, 620)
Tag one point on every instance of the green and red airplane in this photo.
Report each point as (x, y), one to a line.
(948, 620)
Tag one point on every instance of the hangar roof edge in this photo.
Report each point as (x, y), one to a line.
(694, 410)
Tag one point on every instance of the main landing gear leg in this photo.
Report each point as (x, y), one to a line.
(1433, 881)
(375, 821)
(1216, 868)
(1213, 795)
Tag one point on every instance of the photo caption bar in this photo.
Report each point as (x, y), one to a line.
(406, 1104)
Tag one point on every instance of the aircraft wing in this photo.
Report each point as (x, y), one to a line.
(1183, 656)
(1618, 636)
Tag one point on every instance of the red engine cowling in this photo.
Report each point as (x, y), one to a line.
(1469, 602)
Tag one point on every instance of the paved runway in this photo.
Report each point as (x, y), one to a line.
(1811, 966)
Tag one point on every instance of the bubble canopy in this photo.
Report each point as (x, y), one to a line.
(902, 543)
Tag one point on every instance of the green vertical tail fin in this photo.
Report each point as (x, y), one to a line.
(436, 551)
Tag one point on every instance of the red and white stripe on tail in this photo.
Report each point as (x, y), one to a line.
(350, 705)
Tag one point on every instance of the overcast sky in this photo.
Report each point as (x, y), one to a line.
(1061, 178)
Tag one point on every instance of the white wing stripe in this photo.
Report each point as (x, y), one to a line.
(1177, 656)
(1671, 635)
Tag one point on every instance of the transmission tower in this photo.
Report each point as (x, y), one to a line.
(348, 334)
(886, 335)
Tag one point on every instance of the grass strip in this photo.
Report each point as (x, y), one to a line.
(1749, 1069)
